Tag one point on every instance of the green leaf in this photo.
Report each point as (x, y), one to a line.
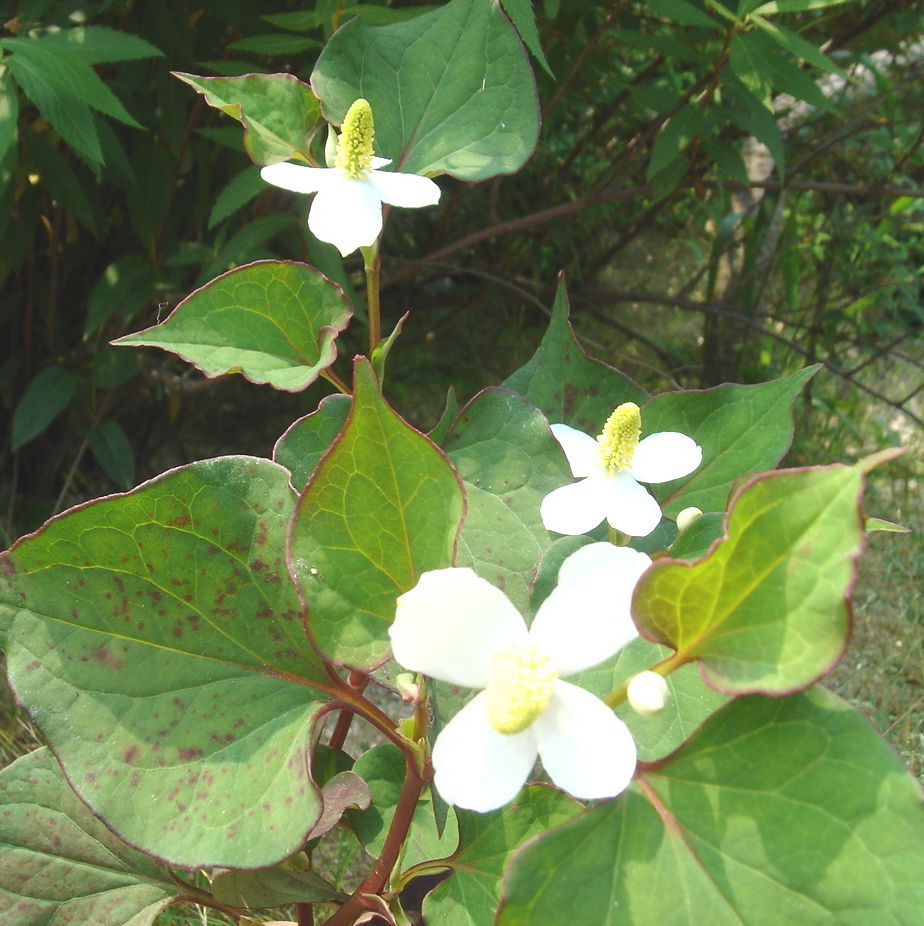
(280, 114)
(467, 107)
(689, 704)
(767, 609)
(676, 136)
(275, 44)
(757, 120)
(878, 524)
(780, 810)
(242, 188)
(61, 179)
(272, 887)
(113, 452)
(565, 384)
(124, 287)
(68, 115)
(742, 429)
(44, 399)
(680, 11)
(486, 842)
(308, 439)
(509, 461)
(246, 245)
(797, 46)
(63, 72)
(523, 17)
(157, 640)
(273, 321)
(9, 112)
(99, 44)
(59, 864)
(383, 768)
(148, 202)
(382, 507)
(794, 6)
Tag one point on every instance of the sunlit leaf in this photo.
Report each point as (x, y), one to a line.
(780, 810)
(157, 640)
(467, 107)
(567, 385)
(382, 507)
(273, 321)
(767, 609)
(59, 864)
(279, 112)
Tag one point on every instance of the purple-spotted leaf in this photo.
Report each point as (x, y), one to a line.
(157, 640)
(742, 429)
(274, 321)
(59, 864)
(779, 810)
(506, 456)
(279, 113)
(486, 841)
(467, 107)
(567, 385)
(766, 610)
(383, 506)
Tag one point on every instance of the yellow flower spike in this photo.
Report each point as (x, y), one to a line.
(519, 687)
(619, 438)
(354, 147)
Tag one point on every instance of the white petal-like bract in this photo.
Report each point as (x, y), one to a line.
(586, 749)
(664, 456)
(587, 617)
(450, 623)
(475, 766)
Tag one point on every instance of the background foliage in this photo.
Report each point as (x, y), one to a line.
(728, 202)
(732, 191)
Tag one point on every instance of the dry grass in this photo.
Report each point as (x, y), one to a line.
(882, 674)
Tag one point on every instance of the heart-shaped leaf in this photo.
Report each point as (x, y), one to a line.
(274, 321)
(59, 864)
(767, 609)
(383, 506)
(567, 385)
(157, 640)
(466, 107)
(504, 452)
(742, 429)
(780, 810)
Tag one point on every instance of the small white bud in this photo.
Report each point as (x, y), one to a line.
(687, 517)
(648, 693)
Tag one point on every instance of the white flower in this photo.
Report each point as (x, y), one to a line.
(456, 627)
(347, 210)
(612, 466)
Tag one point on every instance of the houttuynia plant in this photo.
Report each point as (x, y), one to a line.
(607, 611)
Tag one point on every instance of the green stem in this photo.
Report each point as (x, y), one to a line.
(618, 695)
(372, 264)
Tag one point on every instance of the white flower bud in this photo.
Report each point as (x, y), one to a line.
(687, 517)
(648, 693)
